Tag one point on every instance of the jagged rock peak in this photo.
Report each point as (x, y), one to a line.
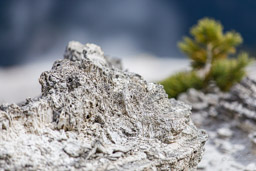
(92, 115)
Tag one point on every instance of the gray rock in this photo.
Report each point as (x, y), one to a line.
(239, 103)
(228, 118)
(94, 116)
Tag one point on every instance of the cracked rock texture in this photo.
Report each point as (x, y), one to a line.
(92, 115)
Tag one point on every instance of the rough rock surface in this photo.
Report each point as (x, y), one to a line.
(94, 116)
(230, 120)
(239, 104)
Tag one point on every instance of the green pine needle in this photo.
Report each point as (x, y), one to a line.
(181, 82)
(209, 46)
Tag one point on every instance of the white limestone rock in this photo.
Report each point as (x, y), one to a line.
(94, 116)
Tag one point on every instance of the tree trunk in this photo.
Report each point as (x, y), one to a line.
(203, 72)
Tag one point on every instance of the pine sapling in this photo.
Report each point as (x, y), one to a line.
(209, 49)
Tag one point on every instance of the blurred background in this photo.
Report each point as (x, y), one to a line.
(34, 29)
(144, 33)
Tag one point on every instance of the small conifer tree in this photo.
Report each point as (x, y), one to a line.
(209, 50)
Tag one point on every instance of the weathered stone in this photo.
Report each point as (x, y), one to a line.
(94, 116)
(239, 103)
(229, 118)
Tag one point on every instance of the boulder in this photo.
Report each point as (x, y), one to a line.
(92, 115)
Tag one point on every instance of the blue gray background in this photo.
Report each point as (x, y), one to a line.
(32, 30)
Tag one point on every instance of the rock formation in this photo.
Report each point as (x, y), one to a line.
(239, 104)
(92, 115)
(230, 121)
